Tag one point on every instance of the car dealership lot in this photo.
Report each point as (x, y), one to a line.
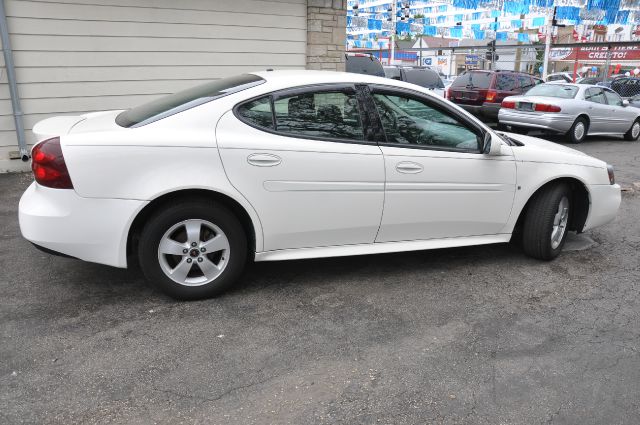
(473, 335)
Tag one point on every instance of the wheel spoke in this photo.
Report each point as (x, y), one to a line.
(193, 231)
(217, 243)
(209, 269)
(169, 246)
(181, 271)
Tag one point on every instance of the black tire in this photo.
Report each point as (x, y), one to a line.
(571, 134)
(635, 128)
(539, 222)
(208, 211)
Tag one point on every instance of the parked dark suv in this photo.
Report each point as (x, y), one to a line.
(363, 63)
(424, 77)
(482, 92)
(626, 86)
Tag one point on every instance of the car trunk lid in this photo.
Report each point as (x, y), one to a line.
(62, 125)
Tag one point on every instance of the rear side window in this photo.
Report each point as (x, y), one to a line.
(525, 82)
(186, 99)
(506, 82)
(479, 80)
(257, 112)
(424, 78)
(364, 65)
(326, 115)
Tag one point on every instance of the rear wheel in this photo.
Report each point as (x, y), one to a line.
(578, 130)
(546, 222)
(193, 250)
(634, 132)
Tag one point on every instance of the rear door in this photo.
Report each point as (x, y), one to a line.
(598, 110)
(506, 85)
(301, 158)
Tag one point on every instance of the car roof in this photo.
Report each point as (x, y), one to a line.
(293, 78)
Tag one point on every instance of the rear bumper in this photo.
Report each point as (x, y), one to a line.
(553, 122)
(90, 229)
(488, 111)
(605, 202)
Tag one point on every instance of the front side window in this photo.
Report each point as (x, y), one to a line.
(594, 95)
(328, 115)
(408, 121)
(613, 98)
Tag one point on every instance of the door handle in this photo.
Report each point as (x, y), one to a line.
(407, 167)
(264, 160)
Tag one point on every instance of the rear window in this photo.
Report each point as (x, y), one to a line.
(364, 65)
(479, 80)
(424, 78)
(186, 99)
(554, 90)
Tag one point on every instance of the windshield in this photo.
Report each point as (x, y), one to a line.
(481, 80)
(554, 90)
(186, 99)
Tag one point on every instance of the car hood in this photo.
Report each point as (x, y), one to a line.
(538, 150)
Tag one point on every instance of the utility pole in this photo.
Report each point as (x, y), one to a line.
(547, 43)
(394, 19)
(519, 51)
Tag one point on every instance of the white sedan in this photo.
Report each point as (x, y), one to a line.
(281, 165)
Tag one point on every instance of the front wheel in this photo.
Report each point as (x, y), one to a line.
(634, 132)
(546, 222)
(193, 250)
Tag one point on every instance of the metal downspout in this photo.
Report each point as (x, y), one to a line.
(13, 88)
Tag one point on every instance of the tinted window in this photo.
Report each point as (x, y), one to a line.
(525, 82)
(257, 112)
(332, 115)
(407, 121)
(594, 95)
(424, 78)
(186, 99)
(506, 82)
(613, 98)
(554, 90)
(392, 72)
(364, 65)
(480, 80)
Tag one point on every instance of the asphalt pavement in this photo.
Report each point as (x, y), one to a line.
(479, 335)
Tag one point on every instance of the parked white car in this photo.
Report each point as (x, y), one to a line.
(297, 164)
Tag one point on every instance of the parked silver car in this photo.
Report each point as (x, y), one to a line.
(576, 110)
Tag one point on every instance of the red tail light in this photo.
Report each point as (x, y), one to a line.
(541, 107)
(49, 168)
(491, 96)
(508, 104)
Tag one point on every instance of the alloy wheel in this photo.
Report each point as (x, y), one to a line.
(560, 221)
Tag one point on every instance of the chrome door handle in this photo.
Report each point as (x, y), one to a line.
(264, 160)
(409, 167)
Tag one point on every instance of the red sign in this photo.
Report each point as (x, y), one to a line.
(618, 53)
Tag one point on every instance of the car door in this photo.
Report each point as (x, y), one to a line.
(598, 110)
(506, 85)
(301, 159)
(438, 183)
(621, 117)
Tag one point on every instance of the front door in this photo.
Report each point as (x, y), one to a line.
(439, 184)
(301, 159)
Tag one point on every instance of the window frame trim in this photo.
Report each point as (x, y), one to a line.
(292, 91)
(440, 104)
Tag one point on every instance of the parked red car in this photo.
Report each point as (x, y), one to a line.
(482, 92)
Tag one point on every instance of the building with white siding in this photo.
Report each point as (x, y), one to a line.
(77, 56)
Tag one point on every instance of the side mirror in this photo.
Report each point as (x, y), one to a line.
(625, 102)
(491, 145)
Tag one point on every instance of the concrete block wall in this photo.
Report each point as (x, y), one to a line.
(326, 34)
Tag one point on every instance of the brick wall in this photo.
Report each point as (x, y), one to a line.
(326, 34)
